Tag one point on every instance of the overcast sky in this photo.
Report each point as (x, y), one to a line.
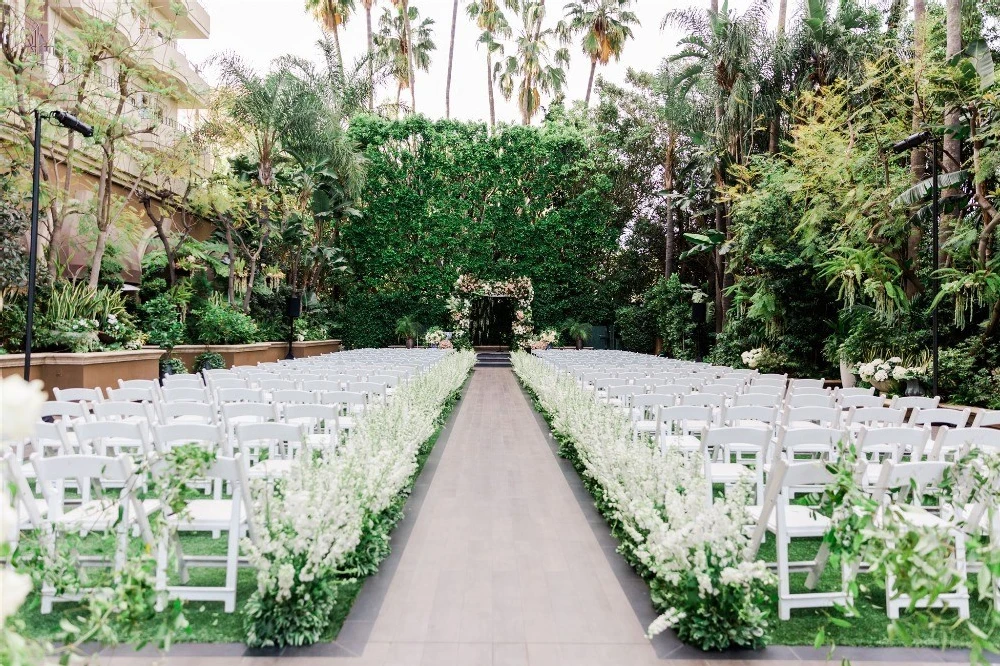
(261, 30)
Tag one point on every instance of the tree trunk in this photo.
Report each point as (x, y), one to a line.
(409, 56)
(918, 156)
(451, 59)
(590, 83)
(951, 160)
(775, 128)
(371, 65)
(668, 187)
(489, 85)
(340, 54)
(231, 280)
(782, 13)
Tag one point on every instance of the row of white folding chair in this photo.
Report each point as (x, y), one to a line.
(787, 520)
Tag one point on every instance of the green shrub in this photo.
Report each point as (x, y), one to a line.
(966, 378)
(161, 320)
(216, 323)
(636, 328)
(209, 361)
(12, 324)
(171, 365)
(669, 305)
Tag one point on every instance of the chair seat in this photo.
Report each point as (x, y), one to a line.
(99, 515)
(683, 442)
(23, 519)
(269, 469)
(800, 521)
(723, 472)
(921, 518)
(205, 515)
(645, 426)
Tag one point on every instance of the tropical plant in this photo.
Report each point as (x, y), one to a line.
(490, 19)
(578, 331)
(404, 49)
(606, 26)
(209, 361)
(332, 15)
(408, 328)
(538, 67)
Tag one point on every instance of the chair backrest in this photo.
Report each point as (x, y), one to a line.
(315, 418)
(218, 372)
(954, 442)
(861, 401)
(348, 401)
(875, 416)
(186, 394)
(732, 380)
(275, 384)
(49, 438)
(757, 400)
(121, 411)
(391, 381)
(116, 469)
(226, 383)
(139, 383)
(828, 417)
(953, 418)
(725, 390)
(321, 385)
(809, 441)
(810, 400)
(893, 441)
(913, 479)
(986, 417)
(809, 390)
(78, 394)
(743, 415)
(375, 392)
(70, 412)
(650, 401)
(208, 437)
(130, 394)
(723, 438)
(190, 412)
(225, 395)
(799, 383)
(281, 440)
(295, 397)
(769, 380)
(915, 402)
(682, 414)
(11, 475)
(183, 381)
(103, 437)
(854, 390)
(703, 400)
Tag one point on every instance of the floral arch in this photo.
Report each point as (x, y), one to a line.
(467, 286)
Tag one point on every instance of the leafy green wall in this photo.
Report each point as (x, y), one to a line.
(447, 197)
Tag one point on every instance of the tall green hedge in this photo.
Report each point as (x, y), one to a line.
(447, 197)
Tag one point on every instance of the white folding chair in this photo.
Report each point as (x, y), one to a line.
(953, 443)
(953, 418)
(986, 417)
(65, 411)
(810, 400)
(757, 400)
(275, 384)
(188, 412)
(812, 417)
(853, 390)
(283, 442)
(375, 392)
(295, 397)
(734, 453)
(643, 410)
(797, 444)
(119, 512)
(227, 395)
(114, 438)
(802, 383)
(681, 426)
(230, 515)
(220, 383)
(30, 509)
(141, 413)
(873, 417)
(861, 401)
(78, 394)
(890, 444)
(902, 488)
(915, 402)
(786, 520)
(133, 394)
(187, 394)
(750, 416)
(238, 413)
(183, 381)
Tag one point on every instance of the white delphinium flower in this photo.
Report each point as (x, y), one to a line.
(20, 406)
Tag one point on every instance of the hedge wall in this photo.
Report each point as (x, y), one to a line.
(447, 197)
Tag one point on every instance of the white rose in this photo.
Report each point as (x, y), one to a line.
(14, 588)
(20, 407)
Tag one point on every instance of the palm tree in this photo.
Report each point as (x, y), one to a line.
(371, 52)
(451, 59)
(404, 9)
(539, 66)
(491, 20)
(332, 14)
(392, 44)
(606, 25)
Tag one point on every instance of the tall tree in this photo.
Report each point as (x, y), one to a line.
(392, 43)
(539, 66)
(951, 160)
(371, 53)
(404, 10)
(491, 20)
(451, 60)
(332, 14)
(606, 25)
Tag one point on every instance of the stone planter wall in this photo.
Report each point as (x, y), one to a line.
(259, 352)
(94, 369)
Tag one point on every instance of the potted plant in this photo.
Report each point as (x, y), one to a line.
(434, 337)
(835, 349)
(408, 328)
(578, 331)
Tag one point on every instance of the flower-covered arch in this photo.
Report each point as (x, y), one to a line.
(467, 286)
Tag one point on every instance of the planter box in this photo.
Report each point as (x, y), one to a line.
(258, 352)
(94, 369)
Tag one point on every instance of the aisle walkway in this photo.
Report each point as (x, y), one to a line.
(501, 566)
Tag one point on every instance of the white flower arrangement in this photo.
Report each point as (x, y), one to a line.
(434, 336)
(312, 520)
(894, 368)
(658, 500)
(751, 357)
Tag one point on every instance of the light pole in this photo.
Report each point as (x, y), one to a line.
(906, 144)
(74, 125)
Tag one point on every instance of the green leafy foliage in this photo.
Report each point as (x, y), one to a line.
(209, 361)
(217, 323)
(160, 319)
